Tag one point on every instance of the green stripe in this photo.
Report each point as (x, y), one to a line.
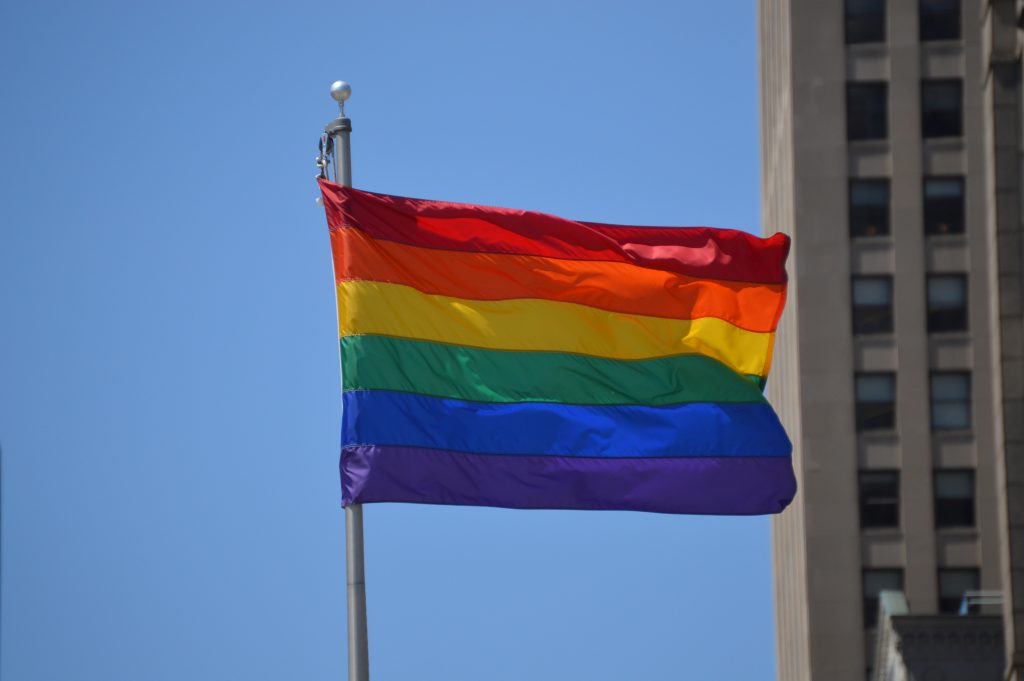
(475, 374)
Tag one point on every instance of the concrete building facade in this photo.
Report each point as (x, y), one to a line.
(1003, 101)
(878, 159)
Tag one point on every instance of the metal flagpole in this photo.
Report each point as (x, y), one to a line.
(358, 649)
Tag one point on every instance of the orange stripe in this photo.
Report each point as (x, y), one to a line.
(612, 286)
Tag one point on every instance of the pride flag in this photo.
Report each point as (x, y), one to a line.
(498, 357)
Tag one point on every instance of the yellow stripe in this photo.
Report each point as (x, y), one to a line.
(367, 307)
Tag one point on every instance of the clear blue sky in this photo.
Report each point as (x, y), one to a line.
(169, 398)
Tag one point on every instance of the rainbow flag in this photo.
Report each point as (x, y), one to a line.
(498, 357)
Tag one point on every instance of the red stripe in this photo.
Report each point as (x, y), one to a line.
(694, 251)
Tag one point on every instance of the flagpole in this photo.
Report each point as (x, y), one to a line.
(358, 647)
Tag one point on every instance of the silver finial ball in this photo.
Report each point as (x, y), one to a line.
(340, 91)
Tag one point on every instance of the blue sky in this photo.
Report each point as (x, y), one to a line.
(169, 398)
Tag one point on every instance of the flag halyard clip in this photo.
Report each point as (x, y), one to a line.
(323, 160)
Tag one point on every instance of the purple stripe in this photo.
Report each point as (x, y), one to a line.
(699, 485)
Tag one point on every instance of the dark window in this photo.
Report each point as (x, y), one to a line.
(954, 498)
(953, 582)
(879, 498)
(943, 205)
(865, 21)
(947, 302)
(867, 117)
(951, 400)
(869, 207)
(939, 20)
(876, 401)
(875, 582)
(872, 304)
(941, 108)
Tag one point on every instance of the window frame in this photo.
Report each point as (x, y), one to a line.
(939, 513)
(932, 119)
(859, 216)
(862, 315)
(935, 208)
(938, 318)
(870, 604)
(945, 601)
(862, 501)
(967, 400)
(937, 34)
(868, 33)
(863, 414)
(883, 129)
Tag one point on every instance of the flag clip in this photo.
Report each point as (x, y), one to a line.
(326, 152)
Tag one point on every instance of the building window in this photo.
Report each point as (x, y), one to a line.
(869, 207)
(954, 498)
(876, 401)
(875, 582)
(867, 117)
(947, 302)
(944, 205)
(879, 493)
(953, 583)
(941, 108)
(939, 20)
(872, 304)
(865, 21)
(951, 400)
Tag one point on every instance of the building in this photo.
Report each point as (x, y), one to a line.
(891, 153)
(948, 647)
(1003, 102)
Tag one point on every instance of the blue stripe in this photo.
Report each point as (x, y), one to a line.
(378, 417)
